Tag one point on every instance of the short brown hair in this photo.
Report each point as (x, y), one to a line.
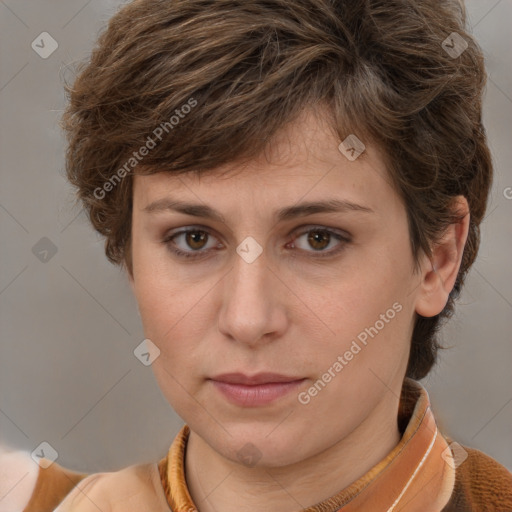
(382, 68)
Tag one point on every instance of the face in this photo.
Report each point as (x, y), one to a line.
(323, 298)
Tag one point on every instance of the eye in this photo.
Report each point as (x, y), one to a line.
(197, 243)
(320, 239)
(194, 238)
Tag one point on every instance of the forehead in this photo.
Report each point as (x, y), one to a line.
(302, 162)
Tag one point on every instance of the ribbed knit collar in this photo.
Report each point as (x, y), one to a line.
(416, 476)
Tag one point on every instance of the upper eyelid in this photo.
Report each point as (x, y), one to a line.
(301, 229)
(319, 227)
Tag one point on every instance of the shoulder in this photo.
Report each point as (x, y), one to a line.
(481, 483)
(32, 483)
(136, 487)
(83, 494)
(18, 477)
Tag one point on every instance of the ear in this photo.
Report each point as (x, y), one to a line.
(440, 272)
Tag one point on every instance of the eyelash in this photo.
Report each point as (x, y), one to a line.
(168, 241)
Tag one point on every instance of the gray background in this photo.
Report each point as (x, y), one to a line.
(69, 325)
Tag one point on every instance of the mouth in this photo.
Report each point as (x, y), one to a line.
(256, 390)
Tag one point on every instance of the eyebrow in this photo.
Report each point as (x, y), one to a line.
(287, 213)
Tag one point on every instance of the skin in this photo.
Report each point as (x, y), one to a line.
(284, 314)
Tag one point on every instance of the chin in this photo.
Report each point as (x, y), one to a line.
(259, 445)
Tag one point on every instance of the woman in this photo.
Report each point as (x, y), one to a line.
(295, 189)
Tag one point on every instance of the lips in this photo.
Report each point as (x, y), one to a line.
(256, 390)
(259, 378)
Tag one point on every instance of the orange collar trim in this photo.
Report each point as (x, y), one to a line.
(417, 475)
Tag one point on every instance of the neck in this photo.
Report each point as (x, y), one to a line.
(216, 483)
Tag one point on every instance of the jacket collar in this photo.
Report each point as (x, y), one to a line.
(417, 475)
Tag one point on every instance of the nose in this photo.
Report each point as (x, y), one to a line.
(253, 303)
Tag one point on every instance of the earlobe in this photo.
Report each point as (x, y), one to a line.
(440, 272)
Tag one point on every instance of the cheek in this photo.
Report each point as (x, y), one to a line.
(173, 316)
(168, 319)
(352, 302)
(363, 316)
(161, 296)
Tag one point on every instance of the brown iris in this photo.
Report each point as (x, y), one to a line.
(195, 239)
(319, 239)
